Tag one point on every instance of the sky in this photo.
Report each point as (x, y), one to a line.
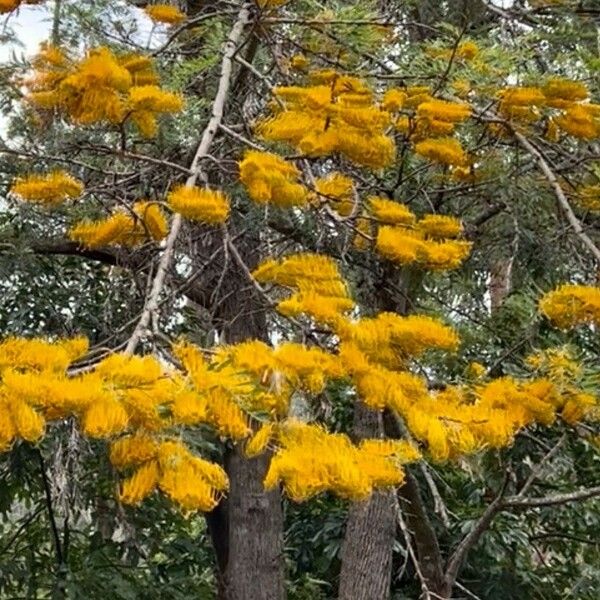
(32, 25)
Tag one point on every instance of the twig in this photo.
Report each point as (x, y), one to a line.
(536, 470)
(426, 594)
(240, 137)
(438, 503)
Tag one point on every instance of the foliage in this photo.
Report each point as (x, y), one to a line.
(372, 195)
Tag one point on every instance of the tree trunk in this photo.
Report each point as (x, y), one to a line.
(370, 530)
(247, 528)
(371, 525)
(255, 563)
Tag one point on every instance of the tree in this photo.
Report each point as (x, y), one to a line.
(351, 236)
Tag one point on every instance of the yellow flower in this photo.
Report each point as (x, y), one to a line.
(565, 89)
(164, 13)
(133, 450)
(336, 116)
(393, 100)
(440, 226)
(307, 272)
(258, 444)
(398, 244)
(126, 229)
(152, 219)
(390, 212)
(37, 354)
(101, 87)
(579, 121)
(200, 204)
(141, 484)
(192, 482)
(521, 96)
(338, 190)
(440, 110)
(572, 305)
(271, 180)
(8, 430)
(447, 151)
(29, 424)
(105, 418)
(51, 189)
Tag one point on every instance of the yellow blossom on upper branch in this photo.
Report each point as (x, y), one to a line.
(306, 272)
(100, 87)
(338, 190)
(579, 121)
(390, 212)
(271, 180)
(447, 151)
(146, 102)
(146, 221)
(164, 13)
(311, 461)
(428, 243)
(564, 90)
(188, 480)
(200, 204)
(338, 115)
(572, 305)
(452, 112)
(51, 189)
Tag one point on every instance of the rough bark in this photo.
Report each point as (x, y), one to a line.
(371, 526)
(254, 567)
(500, 282)
(247, 528)
(370, 530)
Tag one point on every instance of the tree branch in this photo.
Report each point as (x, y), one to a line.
(558, 192)
(50, 508)
(467, 543)
(69, 248)
(557, 499)
(208, 135)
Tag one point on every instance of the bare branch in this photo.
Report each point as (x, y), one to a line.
(537, 469)
(556, 499)
(560, 195)
(208, 135)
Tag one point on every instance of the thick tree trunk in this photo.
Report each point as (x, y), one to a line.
(255, 563)
(371, 526)
(370, 530)
(247, 528)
